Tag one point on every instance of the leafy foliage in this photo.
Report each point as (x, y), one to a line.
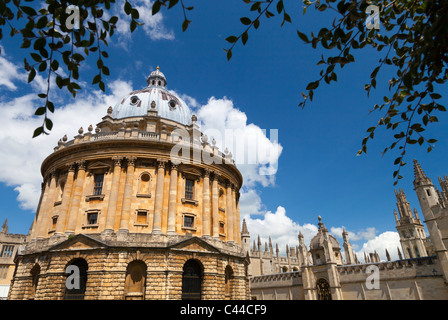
(413, 39)
(56, 50)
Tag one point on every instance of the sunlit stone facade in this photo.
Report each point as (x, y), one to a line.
(136, 208)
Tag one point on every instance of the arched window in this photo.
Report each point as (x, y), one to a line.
(228, 282)
(35, 272)
(417, 253)
(191, 280)
(285, 269)
(135, 282)
(75, 284)
(410, 253)
(323, 289)
(144, 185)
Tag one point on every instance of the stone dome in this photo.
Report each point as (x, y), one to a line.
(318, 240)
(168, 104)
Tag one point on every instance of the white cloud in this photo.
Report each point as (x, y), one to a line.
(153, 27)
(282, 229)
(22, 155)
(255, 155)
(364, 234)
(387, 240)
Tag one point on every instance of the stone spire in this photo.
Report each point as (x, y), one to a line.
(5, 226)
(244, 230)
(404, 208)
(420, 176)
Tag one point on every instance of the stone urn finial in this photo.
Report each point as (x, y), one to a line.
(90, 128)
(81, 130)
(109, 110)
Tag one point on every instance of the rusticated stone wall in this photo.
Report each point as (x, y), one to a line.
(107, 267)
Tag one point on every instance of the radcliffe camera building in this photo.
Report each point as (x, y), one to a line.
(135, 222)
(139, 221)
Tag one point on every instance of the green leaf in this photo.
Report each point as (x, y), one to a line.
(312, 85)
(229, 54)
(231, 39)
(246, 21)
(128, 8)
(244, 37)
(28, 10)
(38, 132)
(40, 111)
(48, 124)
(156, 7)
(303, 36)
(31, 75)
(185, 24)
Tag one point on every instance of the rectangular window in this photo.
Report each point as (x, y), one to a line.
(3, 272)
(188, 222)
(221, 227)
(7, 251)
(189, 187)
(54, 221)
(92, 217)
(98, 187)
(142, 217)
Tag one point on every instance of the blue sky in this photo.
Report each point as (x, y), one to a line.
(318, 170)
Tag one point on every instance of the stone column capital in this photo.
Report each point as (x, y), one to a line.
(206, 173)
(131, 160)
(81, 164)
(161, 163)
(117, 161)
(71, 167)
(174, 167)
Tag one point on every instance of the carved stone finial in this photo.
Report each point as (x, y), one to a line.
(194, 118)
(204, 138)
(213, 142)
(90, 128)
(64, 138)
(81, 130)
(109, 110)
(153, 104)
(97, 130)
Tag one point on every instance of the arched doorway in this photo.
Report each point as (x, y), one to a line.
(191, 280)
(135, 282)
(35, 272)
(228, 282)
(323, 289)
(75, 284)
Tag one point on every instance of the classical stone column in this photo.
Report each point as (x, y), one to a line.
(76, 201)
(158, 201)
(172, 201)
(215, 204)
(60, 227)
(236, 218)
(112, 207)
(126, 207)
(229, 213)
(47, 207)
(206, 204)
(41, 208)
